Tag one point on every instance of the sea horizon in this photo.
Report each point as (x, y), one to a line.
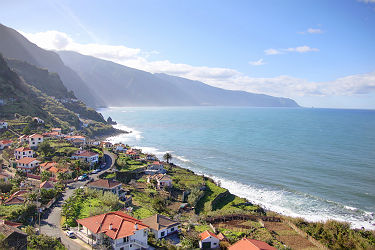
(293, 192)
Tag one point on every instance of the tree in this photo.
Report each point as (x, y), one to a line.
(167, 156)
(45, 175)
(46, 149)
(26, 130)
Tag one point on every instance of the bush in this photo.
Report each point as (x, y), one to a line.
(43, 242)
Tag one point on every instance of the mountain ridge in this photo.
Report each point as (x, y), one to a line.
(133, 87)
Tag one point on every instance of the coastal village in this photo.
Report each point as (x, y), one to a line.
(63, 190)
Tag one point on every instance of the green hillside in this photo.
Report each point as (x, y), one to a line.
(18, 97)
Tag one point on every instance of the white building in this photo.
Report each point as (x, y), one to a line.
(121, 230)
(38, 120)
(3, 125)
(162, 180)
(22, 152)
(27, 164)
(209, 240)
(35, 140)
(161, 225)
(86, 156)
(5, 143)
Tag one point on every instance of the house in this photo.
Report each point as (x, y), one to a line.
(155, 168)
(250, 244)
(121, 147)
(35, 140)
(3, 125)
(46, 185)
(58, 130)
(38, 120)
(105, 144)
(22, 152)
(47, 165)
(17, 198)
(76, 137)
(52, 134)
(122, 231)
(133, 154)
(209, 240)
(13, 237)
(5, 143)
(23, 139)
(151, 157)
(56, 170)
(161, 225)
(162, 180)
(107, 185)
(27, 164)
(86, 156)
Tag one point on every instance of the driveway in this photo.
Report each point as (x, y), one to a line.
(50, 223)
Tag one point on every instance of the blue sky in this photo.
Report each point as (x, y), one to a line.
(320, 53)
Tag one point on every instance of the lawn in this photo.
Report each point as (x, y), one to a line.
(211, 192)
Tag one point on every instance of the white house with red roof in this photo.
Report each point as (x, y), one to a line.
(155, 167)
(86, 156)
(209, 240)
(27, 164)
(22, 152)
(35, 140)
(72, 138)
(250, 244)
(5, 143)
(122, 231)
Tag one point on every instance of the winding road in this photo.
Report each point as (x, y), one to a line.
(50, 222)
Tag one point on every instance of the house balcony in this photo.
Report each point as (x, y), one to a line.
(133, 241)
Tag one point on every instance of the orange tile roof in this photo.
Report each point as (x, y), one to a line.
(46, 184)
(35, 135)
(26, 160)
(250, 244)
(15, 200)
(207, 234)
(47, 165)
(122, 224)
(104, 183)
(6, 141)
(22, 149)
(57, 170)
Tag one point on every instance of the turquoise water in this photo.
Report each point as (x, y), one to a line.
(313, 163)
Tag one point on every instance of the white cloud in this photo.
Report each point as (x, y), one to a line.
(257, 63)
(314, 31)
(311, 31)
(301, 49)
(285, 86)
(272, 52)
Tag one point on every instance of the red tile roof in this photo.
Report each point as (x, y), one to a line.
(104, 183)
(46, 185)
(15, 200)
(35, 135)
(250, 244)
(207, 234)
(122, 224)
(27, 160)
(6, 141)
(10, 223)
(22, 149)
(47, 165)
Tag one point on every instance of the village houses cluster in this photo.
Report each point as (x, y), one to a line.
(118, 228)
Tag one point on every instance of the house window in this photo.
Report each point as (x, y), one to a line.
(121, 248)
(126, 239)
(162, 234)
(172, 229)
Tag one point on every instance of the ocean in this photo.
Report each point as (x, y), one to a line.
(317, 164)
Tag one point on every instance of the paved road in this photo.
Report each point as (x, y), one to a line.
(50, 223)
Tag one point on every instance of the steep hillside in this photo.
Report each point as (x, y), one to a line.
(18, 97)
(51, 84)
(14, 45)
(119, 85)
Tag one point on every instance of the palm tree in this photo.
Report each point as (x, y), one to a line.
(167, 157)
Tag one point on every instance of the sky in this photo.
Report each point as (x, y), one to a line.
(318, 52)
